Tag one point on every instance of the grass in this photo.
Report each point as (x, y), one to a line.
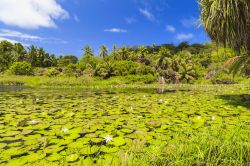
(212, 146)
(85, 81)
(67, 82)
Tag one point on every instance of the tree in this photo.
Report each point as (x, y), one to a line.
(32, 57)
(20, 52)
(228, 22)
(142, 50)
(6, 55)
(64, 61)
(114, 52)
(163, 59)
(123, 52)
(182, 46)
(103, 52)
(88, 50)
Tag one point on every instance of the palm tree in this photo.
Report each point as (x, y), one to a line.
(19, 51)
(32, 56)
(114, 52)
(228, 22)
(163, 60)
(103, 52)
(124, 53)
(88, 50)
(142, 50)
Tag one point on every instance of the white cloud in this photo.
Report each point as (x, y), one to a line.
(31, 14)
(189, 22)
(13, 41)
(170, 28)
(130, 20)
(116, 30)
(183, 36)
(15, 36)
(146, 13)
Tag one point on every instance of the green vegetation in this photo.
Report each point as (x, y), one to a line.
(185, 125)
(184, 63)
(117, 118)
(228, 22)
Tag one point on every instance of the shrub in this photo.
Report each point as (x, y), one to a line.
(52, 72)
(75, 70)
(21, 68)
(144, 70)
(223, 79)
(123, 68)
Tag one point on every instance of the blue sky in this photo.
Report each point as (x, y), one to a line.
(65, 26)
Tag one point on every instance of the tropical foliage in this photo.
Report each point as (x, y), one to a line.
(228, 22)
(183, 63)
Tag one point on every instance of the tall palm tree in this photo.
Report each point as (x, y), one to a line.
(228, 22)
(88, 50)
(103, 52)
(114, 52)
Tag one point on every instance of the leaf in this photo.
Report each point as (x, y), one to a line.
(72, 158)
(118, 141)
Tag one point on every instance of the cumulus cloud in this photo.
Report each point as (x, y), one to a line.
(31, 14)
(146, 13)
(170, 28)
(183, 36)
(116, 30)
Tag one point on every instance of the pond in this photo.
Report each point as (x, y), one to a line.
(89, 125)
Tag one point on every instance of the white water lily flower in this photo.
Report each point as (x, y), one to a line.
(213, 118)
(65, 130)
(33, 122)
(160, 100)
(131, 108)
(108, 139)
(199, 117)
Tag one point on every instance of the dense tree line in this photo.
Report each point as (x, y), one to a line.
(183, 63)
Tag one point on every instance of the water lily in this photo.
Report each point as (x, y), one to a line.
(131, 108)
(65, 130)
(33, 122)
(199, 117)
(213, 118)
(160, 100)
(108, 139)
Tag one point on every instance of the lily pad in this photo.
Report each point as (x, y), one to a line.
(72, 158)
